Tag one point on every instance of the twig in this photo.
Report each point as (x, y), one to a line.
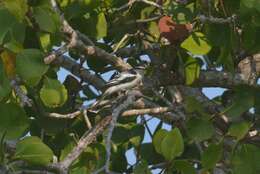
(56, 53)
(165, 100)
(25, 100)
(149, 111)
(216, 20)
(88, 123)
(67, 116)
(131, 2)
(144, 20)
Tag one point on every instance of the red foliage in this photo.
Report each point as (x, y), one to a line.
(173, 32)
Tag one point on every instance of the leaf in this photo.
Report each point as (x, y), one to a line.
(199, 129)
(53, 93)
(157, 139)
(45, 19)
(8, 59)
(239, 130)
(142, 167)
(196, 44)
(7, 21)
(243, 100)
(30, 66)
(148, 153)
(211, 156)
(246, 159)
(5, 87)
(172, 145)
(136, 134)
(34, 151)
(192, 70)
(13, 121)
(96, 23)
(17, 7)
(45, 40)
(248, 3)
(184, 167)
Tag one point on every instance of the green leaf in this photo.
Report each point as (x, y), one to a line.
(30, 66)
(223, 36)
(45, 19)
(157, 139)
(196, 44)
(149, 154)
(172, 145)
(239, 130)
(13, 121)
(17, 7)
(243, 100)
(184, 167)
(53, 93)
(211, 156)
(5, 87)
(192, 70)
(246, 159)
(199, 129)
(142, 167)
(96, 23)
(136, 134)
(248, 3)
(34, 151)
(7, 21)
(45, 40)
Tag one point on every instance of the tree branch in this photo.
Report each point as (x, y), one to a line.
(80, 72)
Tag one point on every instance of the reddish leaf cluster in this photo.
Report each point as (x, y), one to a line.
(173, 32)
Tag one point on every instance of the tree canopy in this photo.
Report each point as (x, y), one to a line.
(127, 63)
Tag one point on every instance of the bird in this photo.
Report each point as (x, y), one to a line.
(123, 81)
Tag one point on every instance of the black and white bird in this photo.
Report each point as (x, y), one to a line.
(123, 81)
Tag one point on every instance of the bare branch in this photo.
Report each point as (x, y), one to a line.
(67, 116)
(131, 2)
(211, 19)
(115, 114)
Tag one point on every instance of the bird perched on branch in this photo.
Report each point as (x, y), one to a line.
(122, 82)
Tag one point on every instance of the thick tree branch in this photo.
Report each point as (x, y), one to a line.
(80, 72)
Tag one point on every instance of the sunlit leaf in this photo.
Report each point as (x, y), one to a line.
(196, 44)
(192, 70)
(172, 145)
(157, 139)
(53, 93)
(17, 7)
